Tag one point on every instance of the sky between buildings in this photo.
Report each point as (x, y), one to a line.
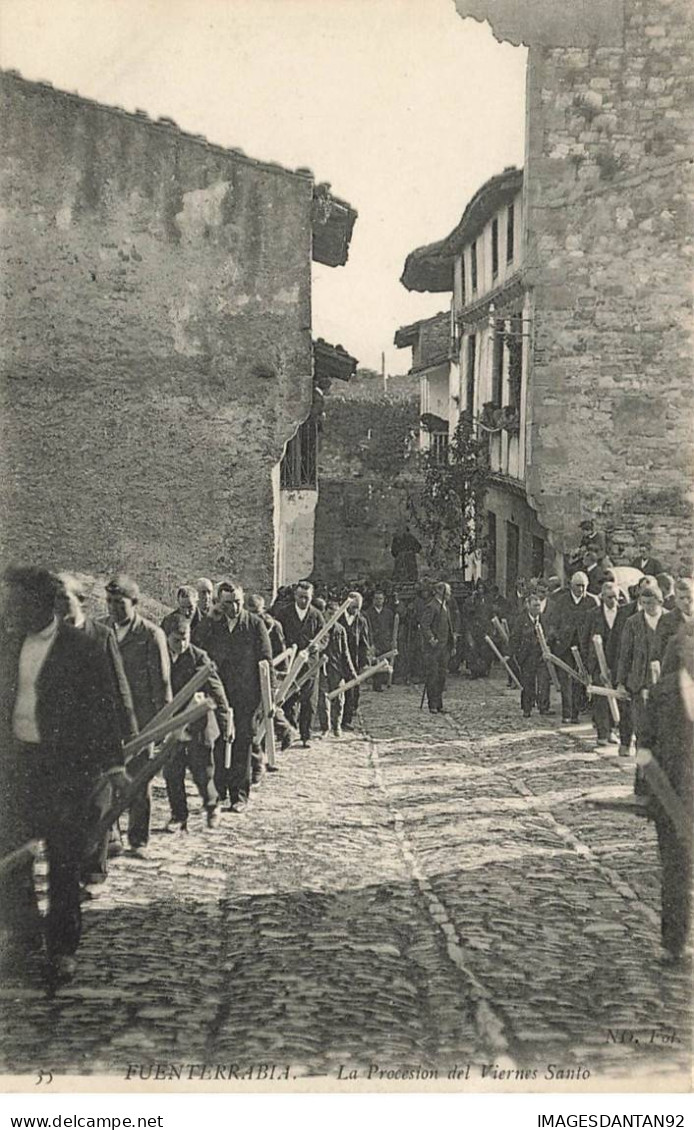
(401, 105)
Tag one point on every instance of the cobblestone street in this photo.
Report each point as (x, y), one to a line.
(430, 893)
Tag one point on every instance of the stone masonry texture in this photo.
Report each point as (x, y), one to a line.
(157, 346)
(608, 183)
(367, 468)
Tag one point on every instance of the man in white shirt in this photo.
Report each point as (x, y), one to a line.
(607, 621)
(59, 735)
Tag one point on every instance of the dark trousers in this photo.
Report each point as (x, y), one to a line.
(676, 886)
(603, 720)
(235, 781)
(39, 803)
(305, 702)
(435, 667)
(330, 711)
(569, 689)
(351, 705)
(95, 863)
(534, 678)
(200, 760)
(140, 811)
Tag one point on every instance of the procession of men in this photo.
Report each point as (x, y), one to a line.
(78, 692)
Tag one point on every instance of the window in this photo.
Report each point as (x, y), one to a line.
(298, 466)
(462, 280)
(470, 389)
(538, 562)
(473, 266)
(439, 447)
(495, 248)
(515, 361)
(510, 233)
(512, 553)
(491, 547)
(497, 363)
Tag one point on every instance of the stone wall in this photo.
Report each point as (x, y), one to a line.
(366, 470)
(156, 342)
(608, 184)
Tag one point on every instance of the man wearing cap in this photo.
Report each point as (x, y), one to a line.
(145, 657)
(566, 616)
(197, 742)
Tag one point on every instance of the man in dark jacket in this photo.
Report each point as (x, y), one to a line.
(338, 668)
(145, 659)
(187, 604)
(301, 622)
(438, 643)
(607, 621)
(668, 731)
(649, 565)
(566, 629)
(70, 607)
(381, 621)
(524, 646)
(359, 645)
(236, 643)
(682, 612)
(59, 734)
(196, 748)
(284, 733)
(641, 645)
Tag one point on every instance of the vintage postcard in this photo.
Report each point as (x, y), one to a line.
(347, 631)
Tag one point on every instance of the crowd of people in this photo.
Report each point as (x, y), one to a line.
(77, 690)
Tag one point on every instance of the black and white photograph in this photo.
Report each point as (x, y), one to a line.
(347, 553)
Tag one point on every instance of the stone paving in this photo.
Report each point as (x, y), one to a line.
(431, 893)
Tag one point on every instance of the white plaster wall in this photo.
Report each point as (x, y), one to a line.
(296, 535)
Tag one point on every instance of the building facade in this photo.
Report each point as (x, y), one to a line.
(609, 239)
(597, 289)
(157, 355)
(480, 263)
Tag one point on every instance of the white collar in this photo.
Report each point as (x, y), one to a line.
(302, 613)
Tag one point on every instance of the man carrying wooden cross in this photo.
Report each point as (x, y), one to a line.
(301, 622)
(607, 621)
(338, 669)
(59, 732)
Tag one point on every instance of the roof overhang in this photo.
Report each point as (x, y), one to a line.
(332, 224)
(430, 268)
(331, 363)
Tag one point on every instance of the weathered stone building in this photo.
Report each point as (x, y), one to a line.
(157, 353)
(607, 266)
(367, 469)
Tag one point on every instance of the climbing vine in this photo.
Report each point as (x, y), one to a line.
(449, 505)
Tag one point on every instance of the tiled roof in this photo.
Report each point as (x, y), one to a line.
(430, 268)
(430, 338)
